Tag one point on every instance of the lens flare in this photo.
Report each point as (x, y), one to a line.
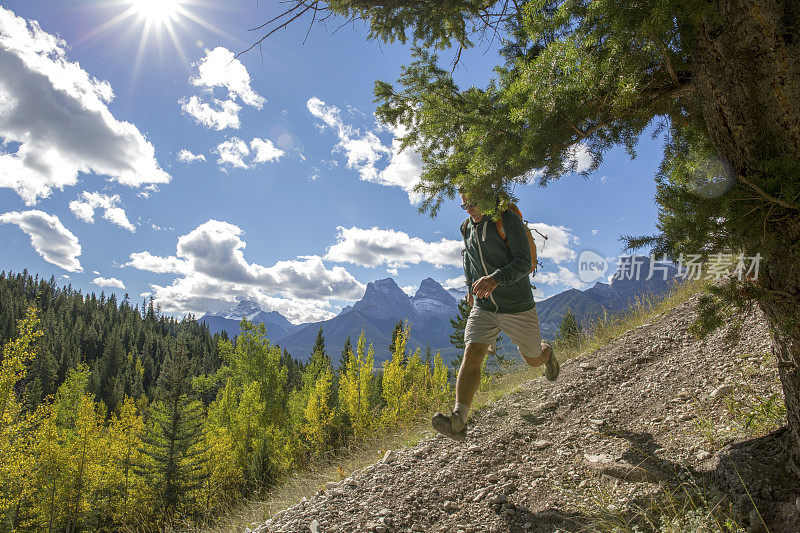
(158, 11)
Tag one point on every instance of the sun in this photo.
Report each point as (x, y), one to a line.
(157, 11)
(157, 25)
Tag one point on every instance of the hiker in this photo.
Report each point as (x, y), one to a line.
(500, 296)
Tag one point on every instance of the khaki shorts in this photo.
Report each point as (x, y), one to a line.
(522, 328)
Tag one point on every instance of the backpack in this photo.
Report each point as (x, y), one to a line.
(501, 230)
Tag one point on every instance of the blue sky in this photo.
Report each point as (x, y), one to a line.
(299, 199)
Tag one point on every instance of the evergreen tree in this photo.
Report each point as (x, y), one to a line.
(174, 437)
(459, 324)
(398, 328)
(568, 332)
(347, 350)
(428, 356)
(318, 353)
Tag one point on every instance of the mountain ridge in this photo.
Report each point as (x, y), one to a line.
(429, 311)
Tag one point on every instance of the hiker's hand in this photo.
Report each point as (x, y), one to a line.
(484, 286)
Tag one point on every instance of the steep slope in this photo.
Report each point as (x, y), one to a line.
(617, 425)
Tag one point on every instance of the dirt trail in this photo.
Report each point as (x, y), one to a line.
(619, 422)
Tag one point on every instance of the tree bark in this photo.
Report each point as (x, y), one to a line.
(746, 67)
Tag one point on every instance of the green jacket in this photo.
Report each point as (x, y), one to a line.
(487, 254)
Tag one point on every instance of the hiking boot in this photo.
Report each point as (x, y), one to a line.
(449, 425)
(551, 368)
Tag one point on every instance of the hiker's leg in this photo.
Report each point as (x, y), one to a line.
(523, 330)
(546, 352)
(469, 375)
(479, 334)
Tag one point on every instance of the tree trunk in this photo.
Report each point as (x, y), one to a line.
(746, 67)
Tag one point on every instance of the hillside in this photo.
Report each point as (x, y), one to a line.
(632, 421)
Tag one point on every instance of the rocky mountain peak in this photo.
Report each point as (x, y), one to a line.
(244, 308)
(384, 298)
(432, 290)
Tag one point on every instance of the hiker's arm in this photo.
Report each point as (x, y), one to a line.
(520, 265)
(464, 260)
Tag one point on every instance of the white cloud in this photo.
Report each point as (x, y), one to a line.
(265, 151)
(232, 153)
(409, 289)
(580, 156)
(108, 282)
(220, 69)
(364, 151)
(562, 277)
(391, 271)
(214, 273)
(147, 190)
(55, 243)
(396, 249)
(454, 283)
(185, 156)
(223, 114)
(84, 207)
(59, 115)
(594, 232)
(557, 247)
(159, 265)
(404, 168)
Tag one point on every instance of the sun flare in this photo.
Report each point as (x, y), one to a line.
(156, 10)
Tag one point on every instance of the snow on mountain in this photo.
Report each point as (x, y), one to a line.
(432, 299)
(384, 299)
(245, 308)
(458, 292)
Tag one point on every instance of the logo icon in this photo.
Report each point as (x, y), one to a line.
(591, 266)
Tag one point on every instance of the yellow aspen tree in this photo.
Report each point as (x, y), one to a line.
(16, 355)
(395, 391)
(355, 387)
(16, 428)
(121, 454)
(319, 416)
(440, 388)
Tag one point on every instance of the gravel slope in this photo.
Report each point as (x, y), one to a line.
(617, 425)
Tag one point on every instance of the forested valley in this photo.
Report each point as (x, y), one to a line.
(113, 414)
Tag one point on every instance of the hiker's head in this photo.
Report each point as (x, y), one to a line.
(470, 207)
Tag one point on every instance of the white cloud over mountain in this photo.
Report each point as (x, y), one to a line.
(454, 283)
(220, 69)
(84, 207)
(58, 114)
(396, 249)
(214, 272)
(55, 243)
(560, 277)
(364, 151)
